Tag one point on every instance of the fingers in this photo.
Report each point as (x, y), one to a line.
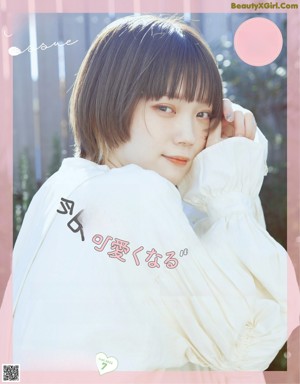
(250, 125)
(228, 110)
(214, 136)
(244, 124)
(239, 124)
(237, 121)
(227, 129)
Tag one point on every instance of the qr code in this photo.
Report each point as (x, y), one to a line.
(10, 373)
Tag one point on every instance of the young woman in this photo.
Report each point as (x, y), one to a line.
(107, 261)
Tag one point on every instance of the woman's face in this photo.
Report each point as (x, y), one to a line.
(166, 135)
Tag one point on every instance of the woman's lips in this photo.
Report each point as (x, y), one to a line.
(178, 160)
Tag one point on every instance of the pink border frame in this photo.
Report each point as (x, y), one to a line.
(11, 7)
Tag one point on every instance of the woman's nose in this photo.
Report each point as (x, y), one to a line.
(184, 132)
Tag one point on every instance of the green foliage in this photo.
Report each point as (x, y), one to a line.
(27, 185)
(263, 90)
(25, 192)
(56, 155)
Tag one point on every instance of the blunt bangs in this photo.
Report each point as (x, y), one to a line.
(136, 58)
(168, 58)
(186, 70)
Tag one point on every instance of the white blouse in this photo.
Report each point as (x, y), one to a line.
(107, 261)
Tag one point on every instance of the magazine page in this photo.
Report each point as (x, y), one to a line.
(149, 227)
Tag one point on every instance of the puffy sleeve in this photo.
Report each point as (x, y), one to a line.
(142, 285)
(250, 280)
(220, 295)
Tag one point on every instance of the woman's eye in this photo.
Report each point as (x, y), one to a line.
(165, 108)
(204, 115)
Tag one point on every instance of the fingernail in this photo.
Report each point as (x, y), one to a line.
(229, 117)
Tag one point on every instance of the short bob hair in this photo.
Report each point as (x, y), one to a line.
(134, 58)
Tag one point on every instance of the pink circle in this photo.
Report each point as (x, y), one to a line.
(258, 41)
